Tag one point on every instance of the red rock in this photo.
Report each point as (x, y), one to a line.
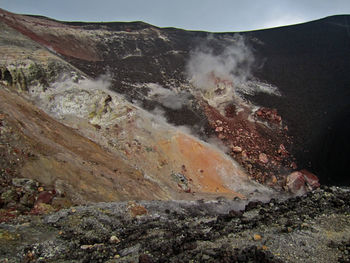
(282, 150)
(293, 165)
(236, 149)
(310, 179)
(263, 158)
(136, 209)
(296, 183)
(44, 197)
(16, 150)
(221, 136)
(188, 190)
(301, 181)
(219, 129)
(278, 158)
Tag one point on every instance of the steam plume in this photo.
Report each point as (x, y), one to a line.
(224, 72)
(232, 64)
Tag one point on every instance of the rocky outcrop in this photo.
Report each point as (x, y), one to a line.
(312, 228)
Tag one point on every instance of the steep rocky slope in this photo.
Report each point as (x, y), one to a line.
(94, 145)
(178, 74)
(104, 112)
(305, 64)
(308, 63)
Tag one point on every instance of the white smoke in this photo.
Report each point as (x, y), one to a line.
(167, 97)
(103, 82)
(158, 117)
(233, 64)
(224, 72)
(218, 145)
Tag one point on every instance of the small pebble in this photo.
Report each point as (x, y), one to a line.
(257, 237)
(114, 240)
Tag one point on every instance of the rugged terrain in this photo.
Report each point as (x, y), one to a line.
(313, 228)
(203, 122)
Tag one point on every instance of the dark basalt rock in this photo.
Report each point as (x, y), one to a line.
(308, 63)
(83, 234)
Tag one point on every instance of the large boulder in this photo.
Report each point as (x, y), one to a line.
(299, 182)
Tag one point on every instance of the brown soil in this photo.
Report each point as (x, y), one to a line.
(67, 42)
(90, 173)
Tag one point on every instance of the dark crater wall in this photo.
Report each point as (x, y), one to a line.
(310, 65)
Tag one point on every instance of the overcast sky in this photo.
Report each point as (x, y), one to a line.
(208, 15)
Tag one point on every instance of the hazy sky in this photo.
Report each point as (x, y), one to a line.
(208, 15)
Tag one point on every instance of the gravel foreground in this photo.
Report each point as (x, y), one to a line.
(312, 228)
